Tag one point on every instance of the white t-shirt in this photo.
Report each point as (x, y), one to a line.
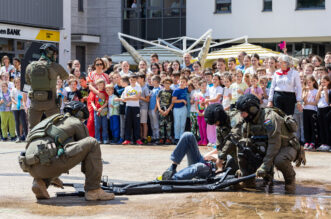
(250, 70)
(226, 97)
(214, 91)
(18, 96)
(132, 91)
(322, 102)
(311, 97)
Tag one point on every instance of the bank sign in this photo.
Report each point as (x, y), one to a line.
(28, 33)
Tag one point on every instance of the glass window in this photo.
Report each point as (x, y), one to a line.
(310, 4)
(267, 5)
(81, 5)
(223, 6)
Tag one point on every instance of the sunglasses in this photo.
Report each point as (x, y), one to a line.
(99, 64)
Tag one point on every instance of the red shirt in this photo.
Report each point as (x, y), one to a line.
(98, 102)
(93, 77)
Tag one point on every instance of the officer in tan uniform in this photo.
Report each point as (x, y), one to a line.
(57, 144)
(281, 146)
(42, 76)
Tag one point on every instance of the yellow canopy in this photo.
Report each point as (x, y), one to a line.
(234, 51)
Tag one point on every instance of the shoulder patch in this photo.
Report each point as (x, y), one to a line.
(268, 124)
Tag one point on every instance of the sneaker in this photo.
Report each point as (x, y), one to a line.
(311, 147)
(210, 145)
(13, 139)
(4, 139)
(167, 175)
(145, 142)
(160, 142)
(323, 147)
(99, 142)
(106, 142)
(126, 142)
(139, 142)
(168, 142)
(306, 146)
(18, 140)
(120, 141)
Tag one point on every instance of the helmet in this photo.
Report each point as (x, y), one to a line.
(49, 50)
(76, 109)
(248, 103)
(214, 113)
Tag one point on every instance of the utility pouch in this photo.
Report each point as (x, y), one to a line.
(23, 165)
(294, 142)
(42, 95)
(46, 152)
(290, 124)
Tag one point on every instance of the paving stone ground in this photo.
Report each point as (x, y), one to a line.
(144, 163)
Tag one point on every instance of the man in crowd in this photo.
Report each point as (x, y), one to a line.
(187, 61)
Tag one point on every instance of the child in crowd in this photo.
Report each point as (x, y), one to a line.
(247, 80)
(131, 96)
(113, 113)
(164, 106)
(73, 94)
(84, 89)
(193, 90)
(60, 92)
(227, 93)
(18, 107)
(179, 97)
(310, 113)
(238, 87)
(7, 117)
(215, 96)
(323, 98)
(152, 109)
(124, 83)
(254, 88)
(209, 78)
(143, 102)
(175, 79)
(201, 106)
(99, 105)
(263, 83)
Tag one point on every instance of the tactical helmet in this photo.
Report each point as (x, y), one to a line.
(77, 109)
(248, 103)
(49, 50)
(214, 113)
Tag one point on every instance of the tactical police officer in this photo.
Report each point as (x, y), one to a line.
(57, 144)
(280, 146)
(225, 122)
(42, 76)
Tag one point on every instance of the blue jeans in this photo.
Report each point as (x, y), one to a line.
(114, 123)
(197, 167)
(180, 115)
(101, 122)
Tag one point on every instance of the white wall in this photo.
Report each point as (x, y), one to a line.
(247, 18)
(65, 35)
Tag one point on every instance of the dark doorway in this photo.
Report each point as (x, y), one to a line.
(81, 56)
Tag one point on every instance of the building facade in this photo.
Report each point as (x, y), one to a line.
(94, 28)
(301, 23)
(24, 22)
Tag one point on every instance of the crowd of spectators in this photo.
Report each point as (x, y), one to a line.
(155, 103)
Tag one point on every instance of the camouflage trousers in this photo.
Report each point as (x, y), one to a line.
(194, 125)
(165, 126)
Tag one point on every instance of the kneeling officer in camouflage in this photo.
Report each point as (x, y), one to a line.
(59, 143)
(270, 133)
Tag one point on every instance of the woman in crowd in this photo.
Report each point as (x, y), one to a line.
(247, 63)
(317, 61)
(197, 69)
(271, 69)
(155, 68)
(285, 90)
(142, 66)
(255, 59)
(176, 66)
(6, 66)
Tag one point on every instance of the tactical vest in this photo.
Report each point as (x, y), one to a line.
(40, 81)
(47, 128)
